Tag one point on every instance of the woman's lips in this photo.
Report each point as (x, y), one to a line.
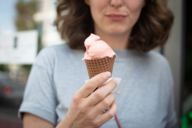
(116, 17)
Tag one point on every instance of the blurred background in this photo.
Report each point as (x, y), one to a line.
(26, 26)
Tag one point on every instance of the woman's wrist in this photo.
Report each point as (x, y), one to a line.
(65, 123)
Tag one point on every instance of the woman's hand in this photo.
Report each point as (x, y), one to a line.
(86, 111)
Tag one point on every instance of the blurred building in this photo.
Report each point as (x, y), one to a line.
(46, 16)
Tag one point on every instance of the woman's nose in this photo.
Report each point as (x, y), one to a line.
(116, 3)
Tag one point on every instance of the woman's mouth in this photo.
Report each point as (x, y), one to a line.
(116, 17)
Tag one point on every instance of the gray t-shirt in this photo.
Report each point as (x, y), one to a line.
(146, 100)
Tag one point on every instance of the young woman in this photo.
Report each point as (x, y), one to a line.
(56, 94)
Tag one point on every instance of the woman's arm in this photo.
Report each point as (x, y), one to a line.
(85, 110)
(32, 121)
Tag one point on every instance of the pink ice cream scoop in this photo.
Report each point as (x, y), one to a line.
(96, 48)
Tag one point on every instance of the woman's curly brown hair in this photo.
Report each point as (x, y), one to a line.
(75, 23)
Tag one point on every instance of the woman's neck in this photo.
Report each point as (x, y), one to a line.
(115, 41)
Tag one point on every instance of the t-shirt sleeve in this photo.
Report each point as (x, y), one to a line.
(39, 96)
(171, 117)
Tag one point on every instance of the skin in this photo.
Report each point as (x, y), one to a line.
(32, 121)
(85, 110)
(115, 31)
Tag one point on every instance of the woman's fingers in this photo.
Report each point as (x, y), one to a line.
(101, 119)
(101, 93)
(88, 109)
(93, 83)
(105, 103)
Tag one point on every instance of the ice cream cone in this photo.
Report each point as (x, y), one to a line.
(99, 65)
(99, 56)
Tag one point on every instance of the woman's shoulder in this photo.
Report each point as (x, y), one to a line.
(55, 49)
(157, 63)
(155, 58)
(49, 54)
(153, 61)
(160, 63)
(57, 53)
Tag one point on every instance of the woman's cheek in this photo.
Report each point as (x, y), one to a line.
(135, 5)
(98, 4)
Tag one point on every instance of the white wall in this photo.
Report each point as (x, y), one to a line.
(173, 51)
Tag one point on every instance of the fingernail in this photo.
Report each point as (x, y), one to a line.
(107, 74)
(115, 80)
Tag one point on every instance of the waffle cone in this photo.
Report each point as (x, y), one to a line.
(99, 65)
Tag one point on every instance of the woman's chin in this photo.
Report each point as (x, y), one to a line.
(116, 32)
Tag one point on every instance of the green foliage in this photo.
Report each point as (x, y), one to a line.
(3, 67)
(24, 15)
(187, 120)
